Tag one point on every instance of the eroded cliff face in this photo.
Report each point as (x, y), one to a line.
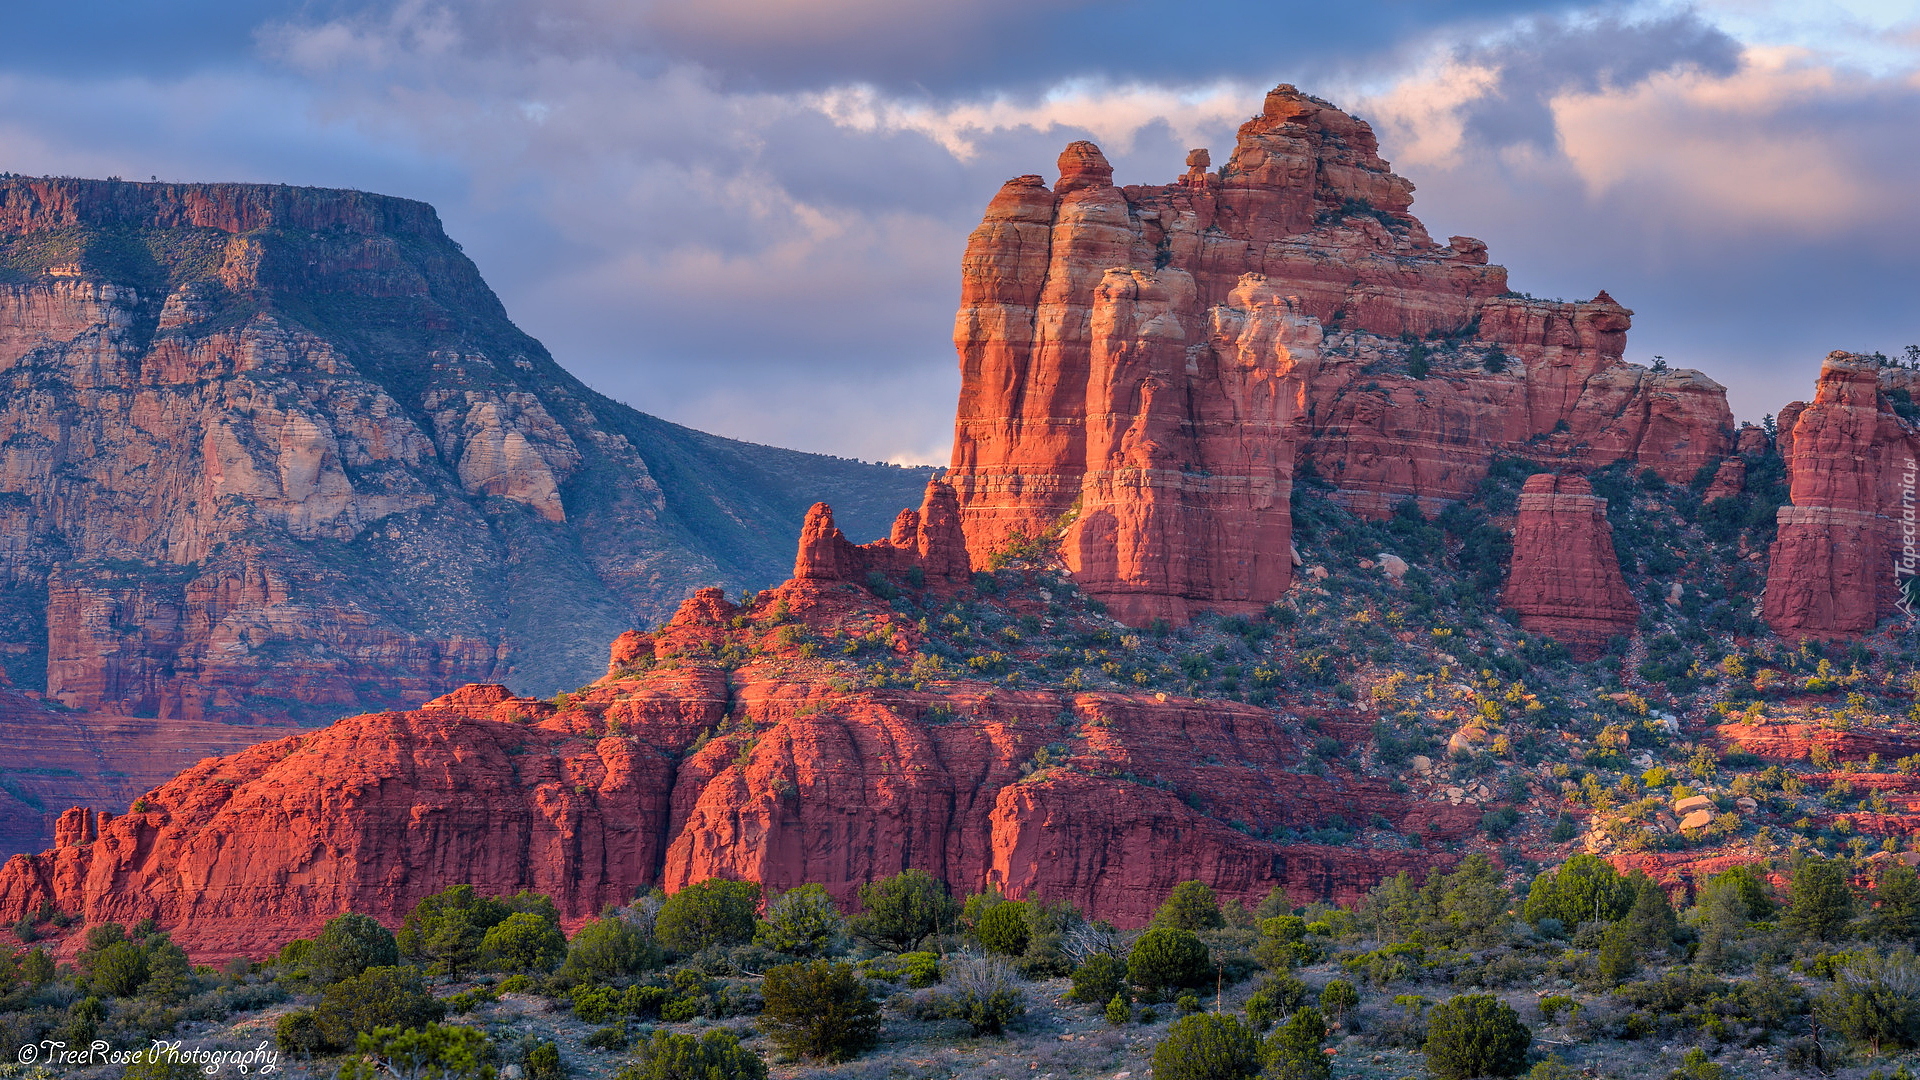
(719, 747)
(272, 452)
(1832, 571)
(1142, 366)
(1565, 579)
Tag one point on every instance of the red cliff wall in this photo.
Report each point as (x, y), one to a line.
(1565, 578)
(1140, 366)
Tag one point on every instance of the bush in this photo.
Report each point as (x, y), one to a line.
(717, 1055)
(1165, 958)
(348, 945)
(444, 1052)
(1585, 888)
(982, 992)
(118, 970)
(543, 1063)
(298, 1032)
(608, 949)
(1190, 906)
(820, 1010)
(1207, 1046)
(1338, 998)
(1293, 1051)
(713, 912)
(1004, 929)
(1118, 1011)
(377, 997)
(524, 942)
(899, 912)
(804, 921)
(608, 1038)
(1098, 978)
(1476, 1035)
(448, 927)
(1819, 900)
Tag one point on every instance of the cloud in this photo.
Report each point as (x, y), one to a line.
(748, 216)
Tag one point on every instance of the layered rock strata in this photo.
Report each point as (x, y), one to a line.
(689, 762)
(273, 452)
(1847, 541)
(927, 540)
(1141, 365)
(1565, 578)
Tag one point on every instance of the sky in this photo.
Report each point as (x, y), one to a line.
(747, 215)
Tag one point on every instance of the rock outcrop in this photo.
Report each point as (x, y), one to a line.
(926, 543)
(719, 748)
(1565, 578)
(272, 452)
(1141, 366)
(1843, 545)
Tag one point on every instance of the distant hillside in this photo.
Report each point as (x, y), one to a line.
(275, 452)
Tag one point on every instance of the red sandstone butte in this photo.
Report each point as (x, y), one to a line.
(676, 769)
(1565, 579)
(1141, 366)
(928, 539)
(1831, 570)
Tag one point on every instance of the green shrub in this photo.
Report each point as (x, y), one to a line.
(805, 922)
(1819, 899)
(1005, 929)
(1338, 998)
(1118, 1011)
(898, 913)
(432, 1052)
(1165, 958)
(1098, 978)
(608, 1038)
(607, 949)
(922, 969)
(524, 942)
(118, 970)
(447, 929)
(1207, 1046)
(1585, 888)
(348, 945)
(543, 1063)
(820, 1010)
(1293, 1050)
(298, 1032)
(1190, 906)
(1476, 1035)
(717, 1055)
(713, 912)
(982, 992)
(376, 998)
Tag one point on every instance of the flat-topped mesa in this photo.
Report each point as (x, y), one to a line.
(1565, 579)
(928, 540)
(1832, 569)
(1404, 369)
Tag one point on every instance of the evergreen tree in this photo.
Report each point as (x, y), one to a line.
(821, 1010)
(1585, 888)
(805, 922)
(1896, 904)
(1190, 906)
(1819, 899)
(1167, 959)
(348, 945)
(714, 912)
(1207, 1046)
(1475, 1035)
(1293, 1051)
(898, 913)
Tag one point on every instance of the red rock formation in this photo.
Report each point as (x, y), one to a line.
(928, 540)
(1565, 579)
(1729, 480)
(772, 770)
(1120, 383)
(1832, 568)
